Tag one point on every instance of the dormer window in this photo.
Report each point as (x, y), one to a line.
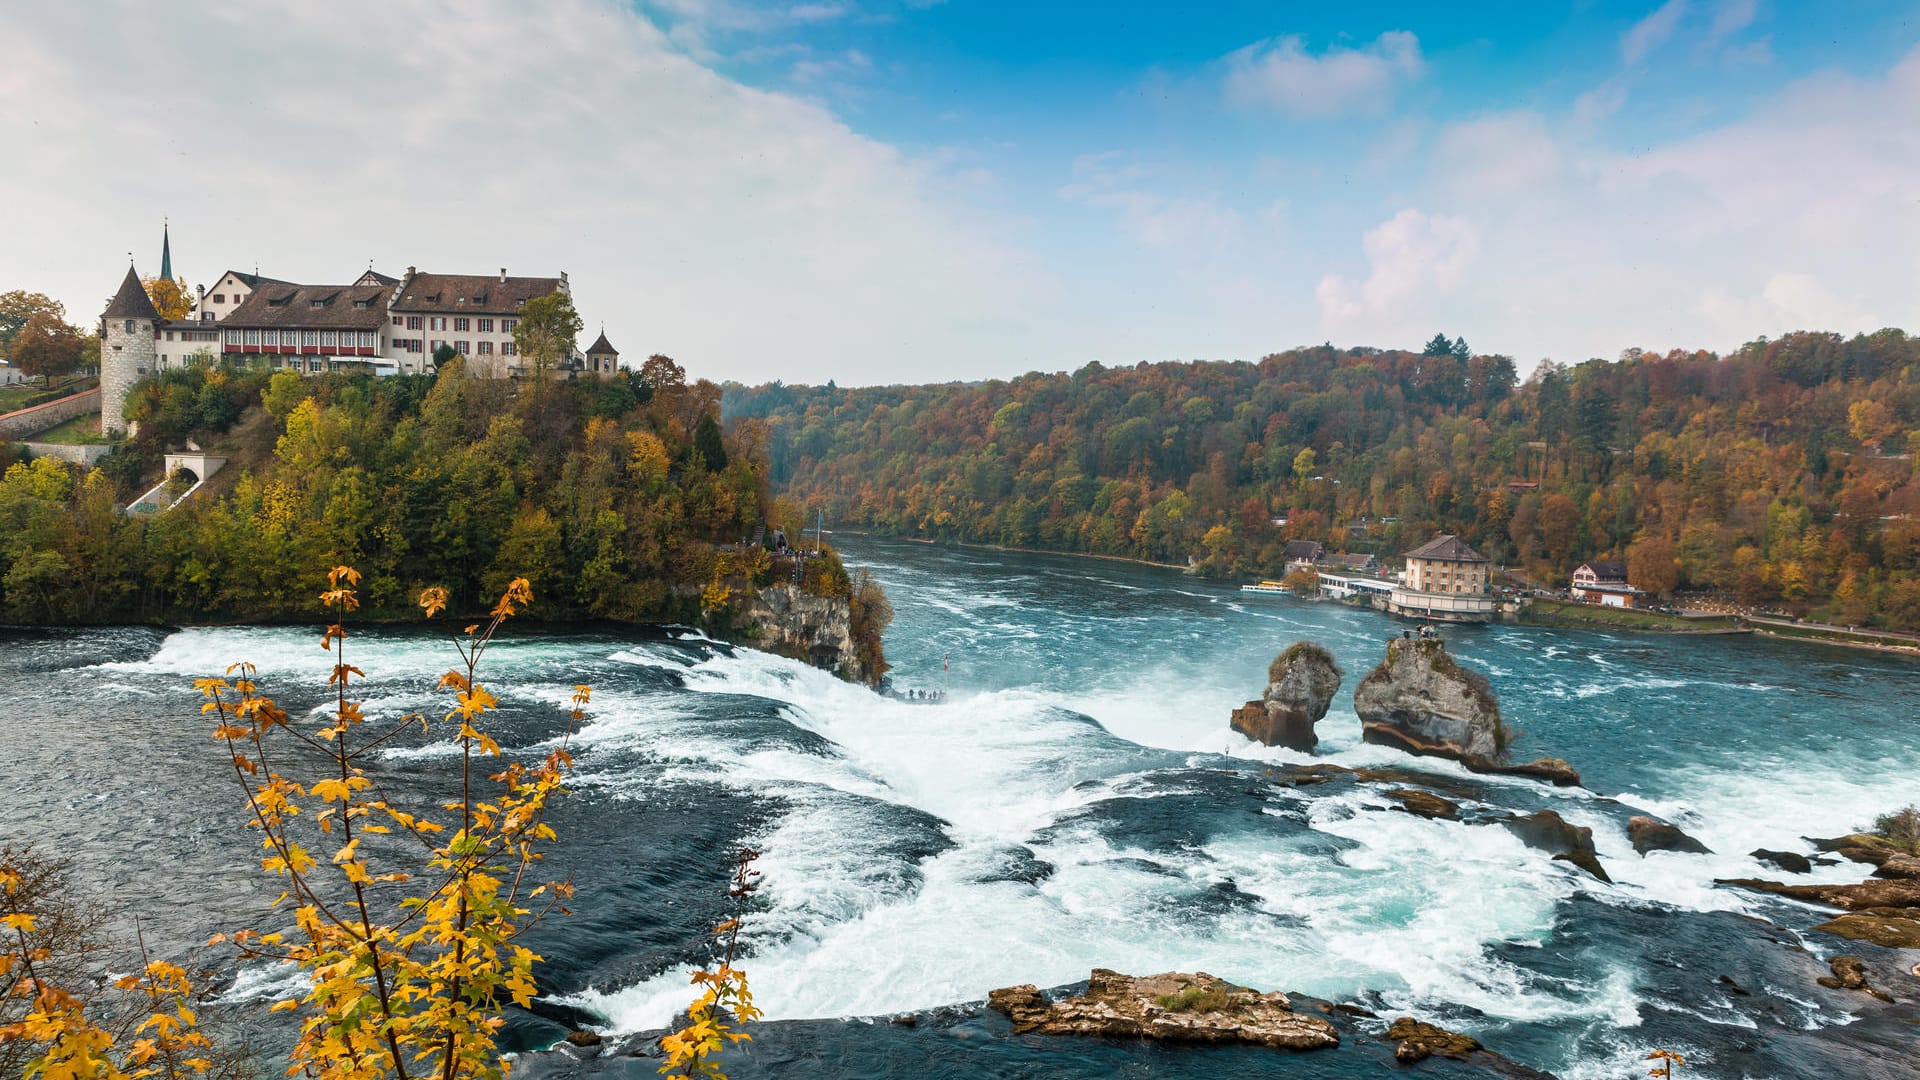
(360, 303)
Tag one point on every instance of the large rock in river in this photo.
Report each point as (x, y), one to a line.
(1652, 834)
(1567, 842)
(1301, 683)
(1421, 701)
(1177, 1007)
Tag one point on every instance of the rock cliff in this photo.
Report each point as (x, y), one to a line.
(787, 620)
(1421, 701)
(1301, 683)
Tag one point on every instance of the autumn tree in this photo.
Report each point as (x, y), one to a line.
(17, 308)
(545, 335)
(1653, 566)
(46, 346)
(170, 297)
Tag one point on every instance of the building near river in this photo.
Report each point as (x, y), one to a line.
(1445, 581)
(1604, 582)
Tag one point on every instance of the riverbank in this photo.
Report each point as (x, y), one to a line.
(1018, 550)
(1572, 616)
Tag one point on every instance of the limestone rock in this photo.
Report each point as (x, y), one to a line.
(1849, 973)
(1652, 834)
(792, 622)
(1417, 1041)
(1174, 1006)
(1903, 867)
(1554, 771)
(1548, 831)
(1421, 701)
(1867, 894)
(1425, 804)
(1789, 861)
(1891, 928)
(1301, 683)
(584, 1038)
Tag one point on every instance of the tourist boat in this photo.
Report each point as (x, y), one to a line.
(1272, 587)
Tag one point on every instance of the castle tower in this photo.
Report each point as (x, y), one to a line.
(603, 360)
(166, 253)
(127, 350)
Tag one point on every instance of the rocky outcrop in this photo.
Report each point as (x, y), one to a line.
(1418, 1041)
(1791, 862)
(1890, 928)
(1867, 894)
(1301, 683)
(790, 621)
(1421, 701)
(1549, 832)
(1176, 1007)
(1849, 973)
(1425, 804)
(1652, 834)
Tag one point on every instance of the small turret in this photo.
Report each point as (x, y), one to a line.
(127, 351)
(603, 360)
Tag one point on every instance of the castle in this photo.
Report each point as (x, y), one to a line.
(379, 324)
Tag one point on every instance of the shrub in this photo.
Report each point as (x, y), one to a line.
(1197, 999)
(1902, 827)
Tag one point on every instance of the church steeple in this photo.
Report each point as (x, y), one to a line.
(166, 252)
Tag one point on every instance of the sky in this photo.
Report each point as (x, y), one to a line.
(877, 191)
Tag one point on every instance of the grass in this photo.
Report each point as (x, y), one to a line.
(1196, 999)
(1815, 633)
(1584, 616)
(82, 430)
(19, 395)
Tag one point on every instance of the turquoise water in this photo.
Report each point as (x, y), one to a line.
(1077, 800)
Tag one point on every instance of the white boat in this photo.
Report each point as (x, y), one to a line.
(1273, 588)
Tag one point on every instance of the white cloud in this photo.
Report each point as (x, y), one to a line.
(1787, 302)
(1731, 17)
(1499, 154)
(1414, 259)
(749, 234)
(1193, 226)
(1643, 37)
(1281, 74)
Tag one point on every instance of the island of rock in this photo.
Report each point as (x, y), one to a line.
(1422, 701)
(1174, 1006)
(1301, 683)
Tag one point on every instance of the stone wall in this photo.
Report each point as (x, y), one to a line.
(32, 421)
(87, 455)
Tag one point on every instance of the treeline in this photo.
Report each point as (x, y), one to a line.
(1782, 474)
(616, 499)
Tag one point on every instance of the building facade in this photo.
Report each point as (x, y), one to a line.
(1603, 582)
(1445, 581)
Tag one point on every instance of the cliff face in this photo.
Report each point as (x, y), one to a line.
(1420, 700)
(818, 630)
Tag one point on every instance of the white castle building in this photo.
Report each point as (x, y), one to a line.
(378, 324)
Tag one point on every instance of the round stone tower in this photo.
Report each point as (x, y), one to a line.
(127, 352)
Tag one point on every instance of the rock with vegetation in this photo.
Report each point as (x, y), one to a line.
(1176, 1007)
(1891, 928)
(1652, 834)
(1549, 832)
(1867, 894)
(1422, 701)
(1301, 683)
(1415, 1040)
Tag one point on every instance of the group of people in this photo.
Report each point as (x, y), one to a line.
(1422, 632)
(924, 695)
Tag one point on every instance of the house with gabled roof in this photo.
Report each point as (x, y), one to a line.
(1445, 581)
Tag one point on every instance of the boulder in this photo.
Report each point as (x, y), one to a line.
(1652, 834)
(1176, 1007)
(1867, 894)
(1421, 701)
(1784, 860)
(1548, 831)
(1902, 867)
(1417, 1041)
(1554, 771)
(1301, 683)
(1849, 973)
(584, 1038)
(1425, 804)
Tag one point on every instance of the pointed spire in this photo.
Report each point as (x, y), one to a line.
(166, 251)
(131, 301)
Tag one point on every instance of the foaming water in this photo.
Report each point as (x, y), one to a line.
(1075, 800)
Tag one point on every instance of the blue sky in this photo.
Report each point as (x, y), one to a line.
(871, 190)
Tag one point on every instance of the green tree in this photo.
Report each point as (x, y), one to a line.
(545, 335)
(17, 308)
(708, 444)
(46, 346)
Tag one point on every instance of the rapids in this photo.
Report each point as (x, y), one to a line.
(1075, 800)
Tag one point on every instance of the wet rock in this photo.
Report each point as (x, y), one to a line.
(1554, 771)
(1849, 973)
(1734, 987)
(1784, 860)
(1421, 701)
(1867, 894)
(818, 630)
(584, 1038)
(1901, 867)
(1301, 683)
(1417, 1041)
(1652, 834)
(907, 1020)
(1425, 804)
(1891, 928)
(1548, 831)
(1176, 1007)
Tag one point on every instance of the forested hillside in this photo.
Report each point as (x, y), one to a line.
(1782, 474)
(612, 497)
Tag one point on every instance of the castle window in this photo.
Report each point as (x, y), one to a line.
(328, 339)
(366, 339)
(461, 347)
(219, 298)
(253, 337)
(233, 337)
(310, 337)
(129, 326)
(439, 322)
(413, 322)
(486, 326)
(461, 324)
(486, 348)
(506, 348)
(507, 325)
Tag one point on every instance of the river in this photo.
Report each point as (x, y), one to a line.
(1076, 800)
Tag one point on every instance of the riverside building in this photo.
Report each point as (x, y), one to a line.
(1446, 581)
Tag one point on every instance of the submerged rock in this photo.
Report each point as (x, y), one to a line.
(1548, 831)
(1652, 834)
(1849, 973)
(1425, 804)
(1301, 683)
(1786, 860)
(1417, 1041)
(1174, 1006)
